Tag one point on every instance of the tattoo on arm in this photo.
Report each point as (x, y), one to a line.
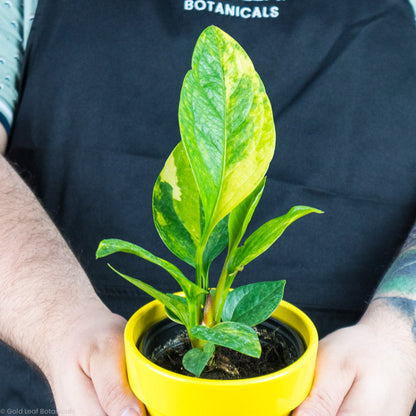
(398, 287)
(407, 307)
(400, 279)
(410, 241)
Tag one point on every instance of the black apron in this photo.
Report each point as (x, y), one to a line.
(97, 118)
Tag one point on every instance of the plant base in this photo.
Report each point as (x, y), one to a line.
(167, 342)
(166, 393)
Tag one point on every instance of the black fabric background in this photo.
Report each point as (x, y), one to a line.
(98, 117)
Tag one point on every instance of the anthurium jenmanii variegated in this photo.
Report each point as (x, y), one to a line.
(204, 199)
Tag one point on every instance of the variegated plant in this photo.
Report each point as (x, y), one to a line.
(205, 196)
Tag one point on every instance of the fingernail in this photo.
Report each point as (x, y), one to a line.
(130, 412)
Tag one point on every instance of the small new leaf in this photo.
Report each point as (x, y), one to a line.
(254, 303)
(195, 360)
(233, 335)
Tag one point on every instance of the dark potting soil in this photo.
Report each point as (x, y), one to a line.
(278, 351)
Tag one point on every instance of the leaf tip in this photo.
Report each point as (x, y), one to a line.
(101, 250)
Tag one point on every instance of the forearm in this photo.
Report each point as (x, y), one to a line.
(370, 368)
(43, 289)
(392, 311)
(397, 290)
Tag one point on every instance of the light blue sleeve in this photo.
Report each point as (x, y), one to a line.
(413, 3)
(16, 18)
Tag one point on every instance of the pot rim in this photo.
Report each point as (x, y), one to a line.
(284, 306)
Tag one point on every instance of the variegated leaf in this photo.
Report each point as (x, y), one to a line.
(177, 209)
(179, 215)
(234, 335)
(226, 124)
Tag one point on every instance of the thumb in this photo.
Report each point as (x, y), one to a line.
(109, 377)
(332, 383)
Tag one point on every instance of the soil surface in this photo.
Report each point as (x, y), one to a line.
(277, 353)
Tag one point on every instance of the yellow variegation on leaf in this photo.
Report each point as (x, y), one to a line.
(226, 124)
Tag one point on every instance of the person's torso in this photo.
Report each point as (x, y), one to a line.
(98, 117)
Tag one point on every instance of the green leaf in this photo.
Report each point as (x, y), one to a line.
(170, 301)
(234, 335)
(110, 246)
(266, 235)
(178, 213)
(241, 215)
(254, 303)
(176, 206)
(196, 359)
(217, 242)
(171, 315)
(226, 124)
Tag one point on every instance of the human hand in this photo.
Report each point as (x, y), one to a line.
(87, 370)
(365, 370)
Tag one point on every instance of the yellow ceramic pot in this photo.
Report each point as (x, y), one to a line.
(169, 394)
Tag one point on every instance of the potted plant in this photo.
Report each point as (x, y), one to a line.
(203, 201)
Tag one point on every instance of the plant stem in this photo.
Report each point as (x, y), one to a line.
(197, 343)
(201, 279)
(223, 287)
(201, 273)
(198, 267)
(194, 308)
(208, 312)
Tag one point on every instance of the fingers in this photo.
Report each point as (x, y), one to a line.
(364, 395)
(76, 394)
(333, 380)
(101, 389)
(88, 375)
(374, 397)
(109, 377)
(357, 375)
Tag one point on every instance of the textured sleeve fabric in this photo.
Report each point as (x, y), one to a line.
(413, 3)
(16, 18)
